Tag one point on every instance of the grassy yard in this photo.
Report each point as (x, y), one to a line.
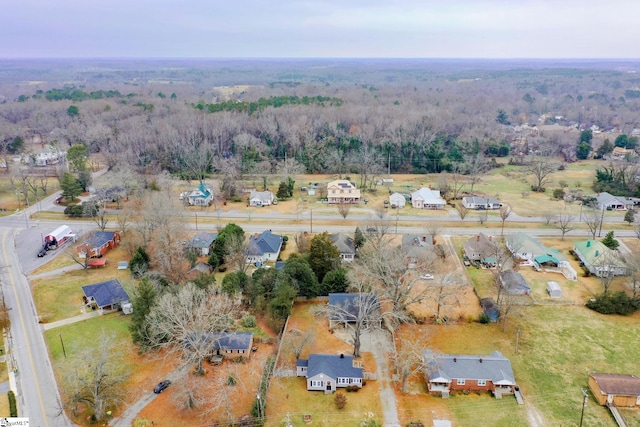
(4, 405)
(60, 297)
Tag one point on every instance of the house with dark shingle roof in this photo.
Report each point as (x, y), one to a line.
(615, 389)
(203, 242)
(326, 372)
(109, 295)
(345, 246)
(98, 244)
(348, 308)
(462, 372)
(232, 344)
(263, 248)
(514, 283)
(484, 249)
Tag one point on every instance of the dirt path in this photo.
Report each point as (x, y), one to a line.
(535, 418)
(379, 344)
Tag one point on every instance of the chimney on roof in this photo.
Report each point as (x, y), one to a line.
(481, 360)
(455, 359)
(490, 238)
(597, 253)
(588, 243)
(478, 238)
(255, 236)
(341, 356)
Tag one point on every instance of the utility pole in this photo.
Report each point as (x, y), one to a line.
(584, 403)
(311, 219)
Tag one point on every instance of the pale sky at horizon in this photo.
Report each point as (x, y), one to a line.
(320, 28)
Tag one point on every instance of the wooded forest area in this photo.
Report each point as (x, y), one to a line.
(371, 117)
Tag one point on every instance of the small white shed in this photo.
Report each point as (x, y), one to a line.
(397, 200)
(554, 290)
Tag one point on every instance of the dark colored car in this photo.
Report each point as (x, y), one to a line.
(161, 386)
(42, 252)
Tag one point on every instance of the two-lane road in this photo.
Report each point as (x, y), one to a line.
(38, 397)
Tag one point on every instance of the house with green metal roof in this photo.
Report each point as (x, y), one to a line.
(201, 196)
(531, 251)
(599, 259)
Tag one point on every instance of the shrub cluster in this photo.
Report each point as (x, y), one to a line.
(616, 303)
(13, 406)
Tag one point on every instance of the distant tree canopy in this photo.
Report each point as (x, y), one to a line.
(262, 103)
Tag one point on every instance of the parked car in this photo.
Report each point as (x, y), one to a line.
(427, 276)
(161, 386)
(372, 229)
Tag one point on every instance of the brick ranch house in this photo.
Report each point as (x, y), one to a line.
(448, 373)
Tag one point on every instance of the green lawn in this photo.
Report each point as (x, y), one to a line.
(60, 297)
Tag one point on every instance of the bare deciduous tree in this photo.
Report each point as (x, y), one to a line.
(592, 218)
(541, 168)
(444, 292)
(408, 359)
(505, 212)
(564, 223)
(462, 211)
(94, 376)
(188, 322)
(296, 341)
(343, 209)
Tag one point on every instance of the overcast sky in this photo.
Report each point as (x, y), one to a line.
(320, 28)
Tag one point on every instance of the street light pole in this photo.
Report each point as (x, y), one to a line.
(311, 219)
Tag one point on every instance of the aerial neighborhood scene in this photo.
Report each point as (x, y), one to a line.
(241, 223)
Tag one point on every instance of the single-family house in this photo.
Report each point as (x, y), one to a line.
(260, 198)
(232, 344)
(490, 309)
(426, 198)
(461, 372)
(108, 295)
(263, 247)
(345, 245)
(620, 153)
(479, 203)
(483, 249)
(98, 244)
(514, 283)
(417, 248)
(349, 308)
(342, 191)
(530, 251)
(326, 372)
(202, 243)
(397, 200)
(599, 259)
(201, 196)
(621, 390)
(199, 268)
(607, 201)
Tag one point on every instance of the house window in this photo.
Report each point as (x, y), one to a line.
(460, 381)
(229, 351)
(482, 383)
(241, 351)
(317, 383)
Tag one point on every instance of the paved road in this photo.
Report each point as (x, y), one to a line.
(37, 391)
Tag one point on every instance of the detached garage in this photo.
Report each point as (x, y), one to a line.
(554, 290)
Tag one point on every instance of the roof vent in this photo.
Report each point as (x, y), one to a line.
(481, 360)
(455, 359)
(341, 356)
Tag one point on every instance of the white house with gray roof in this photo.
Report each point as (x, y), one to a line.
(426, 198)
(263, 248)
(608, 201)
(478, 202)
(345, 245)
(260, 198)
(447, 373)
(326, 372)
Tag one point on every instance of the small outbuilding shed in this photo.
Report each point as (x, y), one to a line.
(554, 290)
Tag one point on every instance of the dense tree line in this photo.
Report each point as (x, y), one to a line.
(416, 119)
